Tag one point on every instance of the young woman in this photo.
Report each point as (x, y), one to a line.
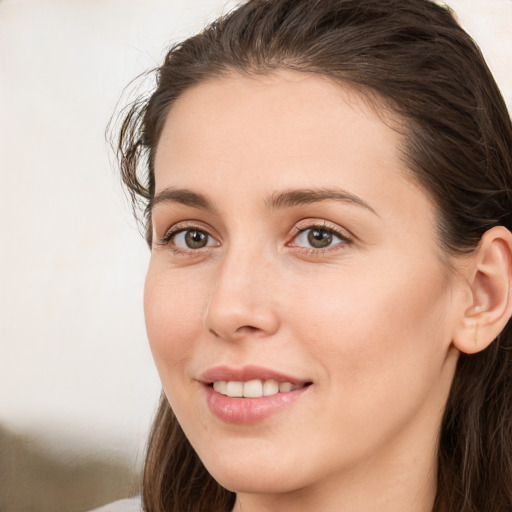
(327, 188)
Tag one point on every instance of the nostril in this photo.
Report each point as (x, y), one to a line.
(230, 319)
(249, 329)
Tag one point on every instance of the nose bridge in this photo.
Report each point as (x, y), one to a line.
(240, 301)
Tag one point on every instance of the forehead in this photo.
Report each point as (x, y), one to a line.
(287, 103)
(287, 130)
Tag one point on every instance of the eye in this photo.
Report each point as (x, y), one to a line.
(317, 237)
(191, 239)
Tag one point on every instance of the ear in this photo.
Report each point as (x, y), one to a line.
(489, 304)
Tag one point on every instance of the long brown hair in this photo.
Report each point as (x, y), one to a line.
(415, 59)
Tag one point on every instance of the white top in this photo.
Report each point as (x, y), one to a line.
(128, 505)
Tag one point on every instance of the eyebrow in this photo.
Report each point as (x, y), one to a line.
(300, 197)
(182, 196)
(278, 200)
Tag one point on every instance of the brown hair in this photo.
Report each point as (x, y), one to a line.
(414, 56)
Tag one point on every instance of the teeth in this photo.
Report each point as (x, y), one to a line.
(235, 389)
(221, 386)
(270, 387)
(253, 388)
(284, 387)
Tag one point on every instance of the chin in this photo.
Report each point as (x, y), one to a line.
(255, 476)
(251, 483)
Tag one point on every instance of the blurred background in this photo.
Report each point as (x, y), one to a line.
(77, 383)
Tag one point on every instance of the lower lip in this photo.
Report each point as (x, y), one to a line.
(249, 410)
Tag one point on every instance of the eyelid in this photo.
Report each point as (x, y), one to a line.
(300, 227)
(185, 226)
(305, 225)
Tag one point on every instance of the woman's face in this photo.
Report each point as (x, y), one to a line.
(291, 250)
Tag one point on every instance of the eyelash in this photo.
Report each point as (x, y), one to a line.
(298, 230)
(176, 230)
(345, 240)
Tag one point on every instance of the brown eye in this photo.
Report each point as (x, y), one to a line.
(195, 239)
(191, 239)
(319, 238)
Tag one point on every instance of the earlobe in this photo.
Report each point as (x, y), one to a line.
(489, 278)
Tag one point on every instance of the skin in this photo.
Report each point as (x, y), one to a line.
(368, 320)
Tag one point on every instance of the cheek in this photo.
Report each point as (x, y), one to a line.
(379, 337)
(381, 344)
(172, 311)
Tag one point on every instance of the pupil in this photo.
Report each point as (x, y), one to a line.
(319, 238)
(195, 239)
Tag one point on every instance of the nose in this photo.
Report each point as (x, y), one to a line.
(243, 302)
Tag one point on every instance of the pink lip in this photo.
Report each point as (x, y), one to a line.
(248, 410)
(246, 373)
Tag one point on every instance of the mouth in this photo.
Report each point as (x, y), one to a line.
(250, 394)
(255, 388)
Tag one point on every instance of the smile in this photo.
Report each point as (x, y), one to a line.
(253, 388)
(250, 394)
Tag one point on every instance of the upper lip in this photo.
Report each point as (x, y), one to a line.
(246, 373)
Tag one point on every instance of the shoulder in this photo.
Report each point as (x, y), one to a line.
(128, 505)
